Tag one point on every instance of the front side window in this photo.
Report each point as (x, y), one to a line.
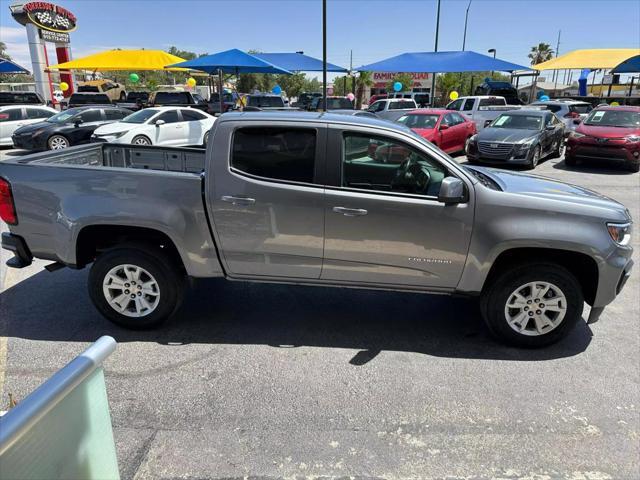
(377, 107)
(38, 113)
(387, 165)
(457, 118)
(275, 153)
(90, 116)
(468, 105)
(455, 105)
(170, 116)
(418, 120)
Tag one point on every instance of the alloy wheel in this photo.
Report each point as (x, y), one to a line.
(141, 141)
(131, 290)
(535, 308)
(58, 143)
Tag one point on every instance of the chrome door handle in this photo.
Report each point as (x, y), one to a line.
(350, 212)
(242, 201)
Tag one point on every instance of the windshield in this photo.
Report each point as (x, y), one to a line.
(135, 96)
(89, 98)
(339, 104)
(420, 121)
(266, 102)
(62, 117)
(613, 118)
(140, 116)
(520, 122)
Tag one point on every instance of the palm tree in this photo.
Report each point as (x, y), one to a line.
(541, 53)
(364, 80)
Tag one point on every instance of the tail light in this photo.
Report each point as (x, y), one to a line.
(572, 115)
(7, 208)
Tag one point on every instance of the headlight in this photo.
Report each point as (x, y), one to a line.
(474, 138)
(577, 135)
(525, 145)
(620, 232)
(633, 138)
(109, 135)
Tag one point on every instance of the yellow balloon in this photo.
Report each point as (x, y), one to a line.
(453, 95)
(64, 86)
(615, 104)
(191, 82)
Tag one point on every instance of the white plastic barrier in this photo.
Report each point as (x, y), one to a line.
(63, 429)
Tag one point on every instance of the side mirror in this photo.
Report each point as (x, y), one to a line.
(451, 191)
(159, 122)
(550, 127)
(487, 123)
(577, 121)
(77, 122)
(444, 127)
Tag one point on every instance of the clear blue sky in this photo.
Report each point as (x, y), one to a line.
(373, 29)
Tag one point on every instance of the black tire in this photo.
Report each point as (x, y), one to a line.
(559, 150)
(141, 140)
(205, 139)
(493, 303)
(157, 265)
(535, 158)
(58, 142)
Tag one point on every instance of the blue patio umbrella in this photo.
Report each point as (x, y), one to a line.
(7, 66)
(298, 62)
(230, 61)
(631, 65)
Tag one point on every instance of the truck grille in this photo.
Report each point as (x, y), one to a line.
(495, 149)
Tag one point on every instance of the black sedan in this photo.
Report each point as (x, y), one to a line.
(518, 137)
(67, 128)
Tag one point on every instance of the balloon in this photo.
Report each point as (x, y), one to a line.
(64, 86)
(544, 98)
(615, 104)
(397, 86)
(134, 78)
(191, 82)
(351, 96)
(277, 90)
(453, 95)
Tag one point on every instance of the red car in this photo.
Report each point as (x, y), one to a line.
(448, 130)
(608, 133)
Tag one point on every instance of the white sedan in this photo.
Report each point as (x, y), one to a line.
(13, 117)
(159, 126)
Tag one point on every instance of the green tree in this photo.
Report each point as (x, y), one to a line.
(3, 51)
(293, 85)
(541, 53)
(364, 80)
(404, 78)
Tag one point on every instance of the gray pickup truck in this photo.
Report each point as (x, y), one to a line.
(317, 199)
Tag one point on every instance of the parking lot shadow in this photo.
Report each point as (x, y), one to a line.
(55, 307)
(594, 166)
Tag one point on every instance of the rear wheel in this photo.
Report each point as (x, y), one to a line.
(136, 287)
(58, 142)
(533, 305)
(141, 140)
(535, 158)
(558, 149)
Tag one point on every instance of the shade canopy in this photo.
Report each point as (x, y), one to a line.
(136, 60)
(598, 58)
(230, 61)
(632, 65)
(7, 66)
(441, 62)
(298, 62)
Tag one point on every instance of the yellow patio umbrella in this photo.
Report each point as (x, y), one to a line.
(137, 60)
(594, 59)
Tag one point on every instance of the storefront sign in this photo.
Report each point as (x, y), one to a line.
(48, 16)
(420, 79)
(55, 37)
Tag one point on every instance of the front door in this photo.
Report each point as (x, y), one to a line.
(383, 222)
(10, 120)
(266, 200)
(172, 131)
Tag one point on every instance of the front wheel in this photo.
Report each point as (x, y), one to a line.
(205, 139)
(533, 305)
(136, 287)
(140, 140)
(535, 158)
(58, 142)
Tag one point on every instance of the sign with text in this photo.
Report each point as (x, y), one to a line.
(50, 17)
(55, 37)
(420, 79)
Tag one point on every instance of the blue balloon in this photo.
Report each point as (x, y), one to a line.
(544, 98)
(397, 87)
(277, 90)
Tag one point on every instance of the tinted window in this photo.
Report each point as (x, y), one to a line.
(192, 115)
(90, 116)
(386, 165)
(401, 105)
(420, 120)
(522, 122)
(11, 115)
(89, 99)
(115, 114)
(455, 105)
(468, 105)
(172, 98)
(377, 107)
(339, 104)
(169, 117)
(581, 108)
(614, 118)
(198, 98)
(141, 116)
(19, 97)
(38, 113)
(265, 101)
(135, 96)
(89, 89)
(491, 102)
(277, 153)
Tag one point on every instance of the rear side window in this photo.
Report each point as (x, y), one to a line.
(116, 114)
(38, 113)
(401, 105)
(11, 115)
(584, 108)
(89, 99)
(172, 98)
(275, 153)
(19, 97)
(491, 102)
(192, 115)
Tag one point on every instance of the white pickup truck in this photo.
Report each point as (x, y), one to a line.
(482, 109)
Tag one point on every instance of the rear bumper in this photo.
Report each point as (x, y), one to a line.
(21, 255)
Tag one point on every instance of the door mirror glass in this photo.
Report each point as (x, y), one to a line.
(78, 121)
(444, 126)
(159, 122)
(451, 190)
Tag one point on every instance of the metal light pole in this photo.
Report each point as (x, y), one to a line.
(324, 55)
(466, 19)
(492, 50)
(433, 79)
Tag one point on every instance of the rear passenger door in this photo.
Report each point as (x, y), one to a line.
(267, 199)
(194, 125)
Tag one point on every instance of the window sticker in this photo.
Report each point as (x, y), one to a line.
(597, 116)
(501, 120)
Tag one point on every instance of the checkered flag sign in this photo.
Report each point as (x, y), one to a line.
(44, 18)
(61, 22)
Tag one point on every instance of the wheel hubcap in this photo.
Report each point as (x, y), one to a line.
(131, 290)
(535, 308)
(141, 141)
(58, 143)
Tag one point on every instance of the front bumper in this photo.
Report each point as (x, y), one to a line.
(21, 254)
(29, 142)
(511, 156)
(614, 151)
(613, 275)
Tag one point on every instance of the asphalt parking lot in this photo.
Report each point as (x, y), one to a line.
(271, 381)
